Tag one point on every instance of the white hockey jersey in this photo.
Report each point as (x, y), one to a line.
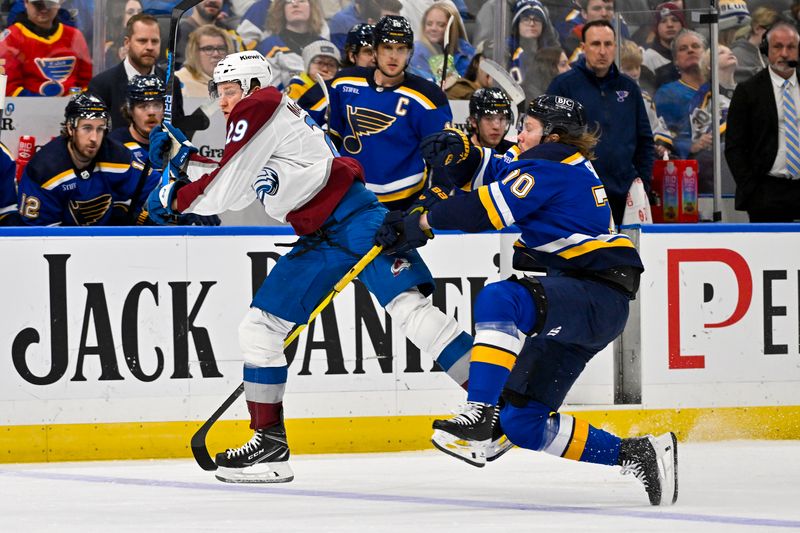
(276, 153)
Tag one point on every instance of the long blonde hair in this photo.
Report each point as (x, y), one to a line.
(457, 30)
(276, 17)
(192, 62)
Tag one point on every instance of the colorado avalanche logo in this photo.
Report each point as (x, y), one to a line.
(399, 265)
(622, 95)
(266, 184)
(56, 69)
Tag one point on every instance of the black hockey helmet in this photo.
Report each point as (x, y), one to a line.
(148, 88)
(359, 36)
(489, 101)
(393, 29)
(86, 105)
(558, 114)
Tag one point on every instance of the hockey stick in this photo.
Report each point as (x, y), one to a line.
(446, 50)
(327, 96)
(172, 43)
(506, 82)
(198, 442)
(3, 85)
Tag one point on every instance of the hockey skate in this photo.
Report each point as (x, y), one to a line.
(263, 459)
(467, 435)
(499, 444)
(654, 462)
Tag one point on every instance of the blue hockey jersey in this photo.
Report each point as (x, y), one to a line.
(8, 188)
(138, 150)
(52, 192)
(553, 195)
(382, 127)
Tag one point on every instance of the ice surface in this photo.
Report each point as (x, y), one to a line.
(724, 486)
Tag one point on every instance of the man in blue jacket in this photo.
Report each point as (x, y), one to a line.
(613, 102)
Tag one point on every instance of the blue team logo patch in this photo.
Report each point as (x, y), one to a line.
(56, 70)
(622, 95)
(364, 122)
(266, 184)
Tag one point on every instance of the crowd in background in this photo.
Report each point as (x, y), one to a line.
(663, 50)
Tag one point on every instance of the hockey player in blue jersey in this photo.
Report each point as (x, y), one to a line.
(81, 178)
(144, 110)
(9, 213)
(379, 116)
(553, 195)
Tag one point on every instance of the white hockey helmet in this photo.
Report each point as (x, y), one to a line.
(243, 68)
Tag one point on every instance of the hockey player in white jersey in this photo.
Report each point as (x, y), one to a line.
(276, 153)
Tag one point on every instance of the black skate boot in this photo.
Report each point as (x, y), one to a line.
(263, 459)
(499, 443)
(466, 435)
(654, 462)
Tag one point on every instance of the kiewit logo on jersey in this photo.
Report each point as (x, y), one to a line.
(399, 265)
(364, 122)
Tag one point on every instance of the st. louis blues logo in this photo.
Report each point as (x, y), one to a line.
(364, 122)
(266, 184)
(622, 95)
(56, 70)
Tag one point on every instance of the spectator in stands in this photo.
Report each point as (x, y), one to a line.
(646, 34)
(320, 57)
(474, 79)
(542, 67)
(414, 10)
(143, 41)
(672, 99)
(733, 14)
(42, 56)
(630, 64)
(762, 134)
(206, 12)
(292, 24)
(614, 105)
(746, 47)
(206, 47)
(360, 12)
(9, 212)
(119, 15)
(358, 50)
(570, 30)
(530, 32)
(658, 67)
(429, 53)
(80, 178)
(700, 119)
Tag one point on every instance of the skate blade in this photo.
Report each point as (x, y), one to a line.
(279, 472)
(497, 449)
(667, 448)
(471, 453)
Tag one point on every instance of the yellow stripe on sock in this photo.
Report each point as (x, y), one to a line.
(578, 441)
(493, 356)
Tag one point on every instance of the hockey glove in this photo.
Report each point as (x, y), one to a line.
(159, 202)
(400, 232)
(447, 147)
(168, 142)
(191, 219)
(429, 198)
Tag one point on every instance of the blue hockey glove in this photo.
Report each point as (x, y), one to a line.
(169, 142)
(159, 202)
(400, 232)
(447, 147)
(429, 198)
(191, 219)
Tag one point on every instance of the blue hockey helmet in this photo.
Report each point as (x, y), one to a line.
(148, 88)
(393, 29)
(86, 105)
(359, 36)
(558, 114)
